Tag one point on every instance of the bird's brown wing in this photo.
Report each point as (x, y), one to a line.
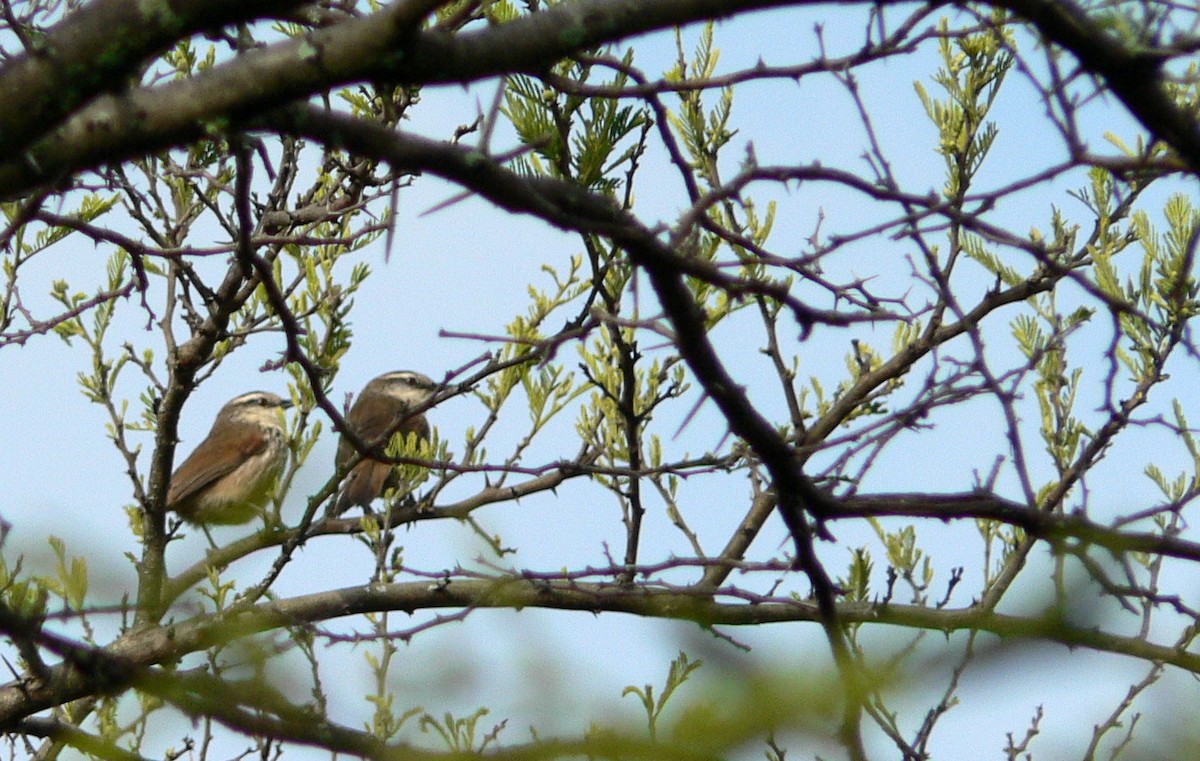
(368, 479)
(369, 418)
(345, 452)
(204, 465)
(369, 430)
(365, 482)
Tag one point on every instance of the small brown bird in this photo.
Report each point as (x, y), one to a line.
(385, 404)
(229, 476)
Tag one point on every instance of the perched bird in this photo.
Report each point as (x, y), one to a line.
(385, 404)
(229, 476)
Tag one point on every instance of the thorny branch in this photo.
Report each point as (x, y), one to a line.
(813, 464)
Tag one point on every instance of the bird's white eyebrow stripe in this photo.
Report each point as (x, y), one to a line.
(252, 396)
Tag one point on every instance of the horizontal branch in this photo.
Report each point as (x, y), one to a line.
(90, 57)
(96, 49)
(118, 666)
(384, 45)
(241, 707)
(399, 515)
(1037, 523)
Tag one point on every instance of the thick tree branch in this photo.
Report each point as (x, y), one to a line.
(121, 663)
(97, 49)
(1136, 76)
(1037, 523)
(383, 45)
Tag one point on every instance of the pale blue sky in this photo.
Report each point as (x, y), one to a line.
(466, 268)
